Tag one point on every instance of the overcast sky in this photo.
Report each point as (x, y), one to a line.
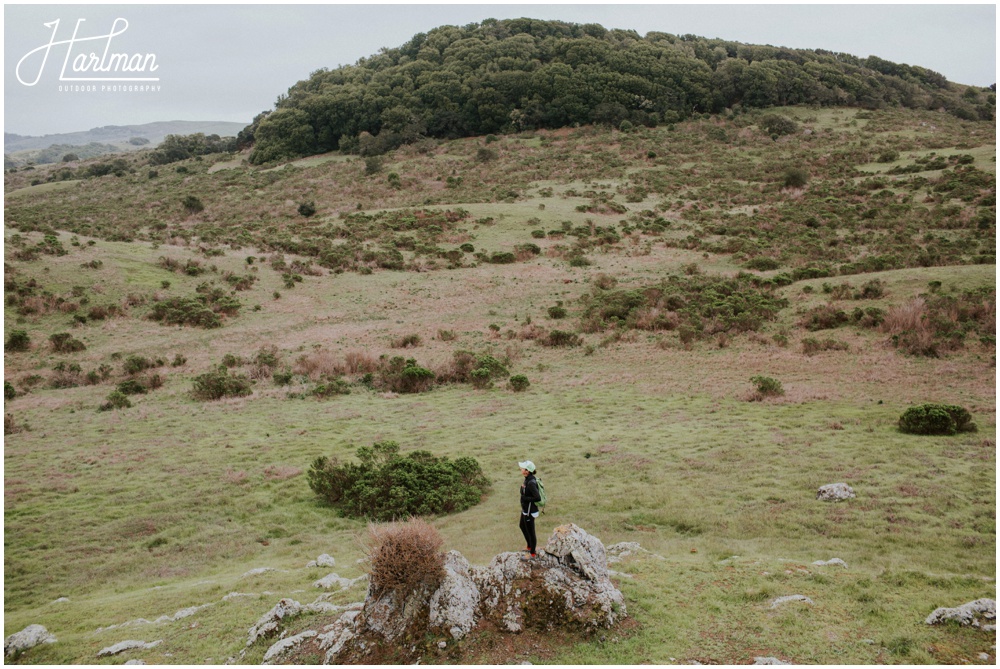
(230, 62)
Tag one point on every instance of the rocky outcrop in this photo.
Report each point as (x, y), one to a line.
(29, 637)
(835, 492)
(981, 613)
(566, 586)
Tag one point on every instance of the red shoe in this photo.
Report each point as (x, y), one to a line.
(529, 556)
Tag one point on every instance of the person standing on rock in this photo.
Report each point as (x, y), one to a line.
(529, 507)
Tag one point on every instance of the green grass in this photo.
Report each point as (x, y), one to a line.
(143, 512)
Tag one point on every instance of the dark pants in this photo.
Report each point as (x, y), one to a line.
(528, 530)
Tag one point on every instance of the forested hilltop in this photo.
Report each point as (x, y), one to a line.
(524, 74)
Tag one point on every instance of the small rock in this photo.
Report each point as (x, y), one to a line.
(622, 550)
(258, 571)
(442, 644)
(984, 657)
(835, 562)
(61, 600)
(331, 580)
(131, 644)
(790, 598)
(835, 492)
(768, 660)
(325, 560)
(870, 642)
(29, 637)
(974, 614)
(136, 662)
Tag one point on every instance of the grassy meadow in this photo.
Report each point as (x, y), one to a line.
(645, 427)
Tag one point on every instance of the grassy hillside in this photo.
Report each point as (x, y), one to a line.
(638, 279)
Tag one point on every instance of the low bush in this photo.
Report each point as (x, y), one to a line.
(331, 388)
(385, 485)
(560, 338)
(939, 419)
(64, 342)
(812, 346)
(219, 383)
(17, 341)
(824, 317)
(404, 557)
(765, 386)
(407, 341)
(9, 391)
(115, 400)
(557, 312)
(519, 383)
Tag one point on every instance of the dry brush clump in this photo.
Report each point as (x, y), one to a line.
(403, 556)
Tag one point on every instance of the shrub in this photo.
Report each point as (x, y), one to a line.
(447, 335)
(331, 388)
(762, 263)
(406, 341)
(132, 387)
(824, 317)
(765, 386)
(519, 383)
(404, 557)
(776, 125)
(795, 177)
(282, 377)
(811, 345)
(501, 258)
(17, 340)
(943, 419)
(116, 400)
(9, 392)
(557, 312)
(134, 364)
(307, 209)
(467, 248)
(192, 205)
(579, 260)
(219, 383)
(385, 485)
(559, 338)
(63, 342)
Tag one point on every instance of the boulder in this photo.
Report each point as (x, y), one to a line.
(29, 637)
(768, 660)
(453, 605)
(981, 613)
(578, 551)
(835, 492)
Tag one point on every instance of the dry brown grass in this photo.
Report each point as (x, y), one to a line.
(403, 556)
(910, 316)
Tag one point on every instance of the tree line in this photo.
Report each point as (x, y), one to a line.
(520, 74)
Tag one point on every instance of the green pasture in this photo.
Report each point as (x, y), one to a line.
(639, 435)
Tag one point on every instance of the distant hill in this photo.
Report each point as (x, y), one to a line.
(120, 134)
(521, 74)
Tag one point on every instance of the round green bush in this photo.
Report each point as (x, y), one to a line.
(18, 340)
(385, 485)
(937, 419)
(519, 383)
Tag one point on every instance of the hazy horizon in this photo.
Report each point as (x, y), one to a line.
(220, 72)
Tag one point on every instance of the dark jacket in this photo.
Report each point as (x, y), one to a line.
(530, 495)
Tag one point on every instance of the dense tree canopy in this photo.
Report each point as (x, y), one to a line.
(519, 74)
